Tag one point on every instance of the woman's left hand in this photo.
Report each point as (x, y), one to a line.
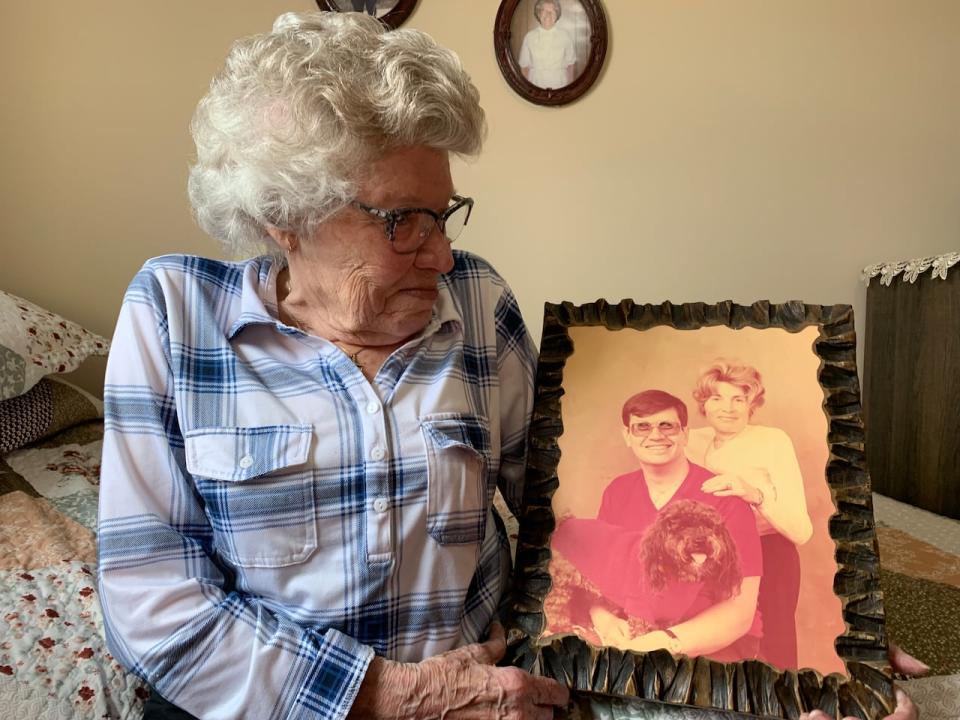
(729, 485)
(905, 710)
(901, 662)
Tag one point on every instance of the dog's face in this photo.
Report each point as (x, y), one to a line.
(689, 542)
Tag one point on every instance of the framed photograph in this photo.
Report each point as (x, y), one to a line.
(697, 523)
(391, 12)
(550, 51)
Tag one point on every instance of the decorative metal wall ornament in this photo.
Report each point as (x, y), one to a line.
(550, 51)
(392, 13)
(911, 269)
(855, 677)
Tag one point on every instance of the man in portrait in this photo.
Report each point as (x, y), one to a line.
(674, 567)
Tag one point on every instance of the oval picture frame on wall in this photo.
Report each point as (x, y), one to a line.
(392, 13)
(550, 51)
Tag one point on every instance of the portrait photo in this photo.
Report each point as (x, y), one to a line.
(692, 508)
(377, 8)
(550, 41)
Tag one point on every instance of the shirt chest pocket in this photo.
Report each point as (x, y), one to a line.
(458, 454)
(258, 491)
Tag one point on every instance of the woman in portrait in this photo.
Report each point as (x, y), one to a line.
(758, 464)
(547, 56)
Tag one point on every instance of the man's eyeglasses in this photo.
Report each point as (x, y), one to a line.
(643, 429)
(407, 229)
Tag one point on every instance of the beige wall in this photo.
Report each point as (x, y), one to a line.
(752, 149)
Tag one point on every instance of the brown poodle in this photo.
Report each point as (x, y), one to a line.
(689, 542)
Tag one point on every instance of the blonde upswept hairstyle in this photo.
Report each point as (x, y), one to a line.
(734, 372)
(295, 117)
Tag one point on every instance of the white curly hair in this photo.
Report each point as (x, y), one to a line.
(287, 128)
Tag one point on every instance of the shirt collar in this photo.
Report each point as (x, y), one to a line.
(447, 314)
(258, 296)
(258, 301)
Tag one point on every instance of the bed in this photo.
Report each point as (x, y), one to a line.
(53, 659)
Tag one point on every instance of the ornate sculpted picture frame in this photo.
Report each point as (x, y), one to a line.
(555, 67)
(394, 17)
(594, 356)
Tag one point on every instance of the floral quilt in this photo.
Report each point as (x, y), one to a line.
(53, 658)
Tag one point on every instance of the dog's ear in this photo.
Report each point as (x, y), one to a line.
(651, 552)
(729, 578)
(656, 573)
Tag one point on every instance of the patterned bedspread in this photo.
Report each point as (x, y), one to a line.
(53, 660)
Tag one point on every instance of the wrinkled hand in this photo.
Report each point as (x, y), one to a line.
(732, 486)
(462, 684)
(901, 662)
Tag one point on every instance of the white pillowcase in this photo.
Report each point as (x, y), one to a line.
(35, 342)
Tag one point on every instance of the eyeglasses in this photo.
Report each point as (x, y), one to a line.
(407, 229)
(643, 429)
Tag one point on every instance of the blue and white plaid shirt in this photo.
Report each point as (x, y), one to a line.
(269, 519)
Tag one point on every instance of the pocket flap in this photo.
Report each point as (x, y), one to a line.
(236, 454)
(451, 430)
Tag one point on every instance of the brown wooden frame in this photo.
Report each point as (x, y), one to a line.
(751, 687)
(526, 89)
(393, 19)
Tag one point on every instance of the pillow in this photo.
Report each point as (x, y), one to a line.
(48, 407)
(35, 342)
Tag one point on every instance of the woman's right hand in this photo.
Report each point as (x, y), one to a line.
(729, 485)
(462, 684)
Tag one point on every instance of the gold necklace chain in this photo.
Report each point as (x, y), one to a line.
(354, 356)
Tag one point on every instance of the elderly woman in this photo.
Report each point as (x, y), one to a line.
(302, 448)
(546, 55)
(759, 465)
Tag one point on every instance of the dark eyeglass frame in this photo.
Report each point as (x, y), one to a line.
(391, 218)
(666, 428)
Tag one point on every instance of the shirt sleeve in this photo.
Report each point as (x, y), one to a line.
(569, 57)
(517, 366)
(608, 503)
(525, 58)
(789, 503)
(172, 613)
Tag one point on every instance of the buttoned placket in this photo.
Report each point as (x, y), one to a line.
(372, 410)
(371, 415)
(379, 513)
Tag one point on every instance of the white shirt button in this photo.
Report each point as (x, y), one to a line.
(373, 408)
(246, 461)
(378, 453)
(380, 505)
